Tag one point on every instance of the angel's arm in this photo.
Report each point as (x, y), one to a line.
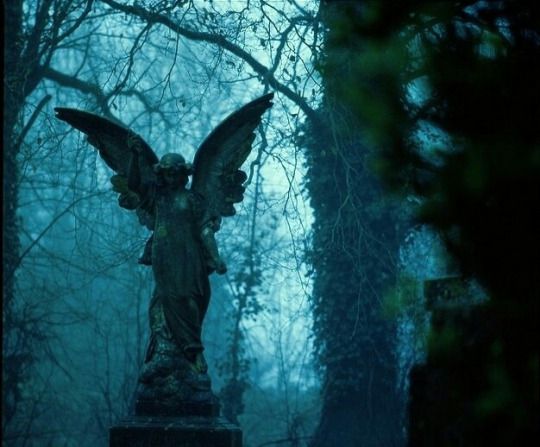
(208, 225)
(209, 241)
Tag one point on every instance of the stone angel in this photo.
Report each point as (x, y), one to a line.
(182, 249)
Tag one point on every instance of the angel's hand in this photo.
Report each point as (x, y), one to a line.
(221, 268)
(135, 143)
(218, 266)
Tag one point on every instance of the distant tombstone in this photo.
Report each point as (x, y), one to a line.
(446, 389)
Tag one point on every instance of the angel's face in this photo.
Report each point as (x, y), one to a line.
(175, 175)
(173, 169)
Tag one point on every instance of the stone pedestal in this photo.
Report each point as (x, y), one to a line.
(193, 422)
(186, 431)
(174, 402)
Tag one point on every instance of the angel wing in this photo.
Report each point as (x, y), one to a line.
(216, 166)
(111, 140)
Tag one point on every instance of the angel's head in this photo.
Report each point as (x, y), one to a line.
(173, 170)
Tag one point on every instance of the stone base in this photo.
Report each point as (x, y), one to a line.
(139, 431)
(207, 407)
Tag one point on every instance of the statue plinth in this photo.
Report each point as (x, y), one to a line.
(187, 431)
(175, 422)
(196, 408)
(174, 406)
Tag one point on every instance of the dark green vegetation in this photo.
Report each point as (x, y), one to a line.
(468, 74)
(356, 237)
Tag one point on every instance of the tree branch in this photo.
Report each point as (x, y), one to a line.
(83, 86)
(262, 71)
(49, 226)
(31, 121)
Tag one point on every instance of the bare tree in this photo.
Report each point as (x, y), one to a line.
(31, 41)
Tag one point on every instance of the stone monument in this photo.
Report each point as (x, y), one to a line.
(175, 405)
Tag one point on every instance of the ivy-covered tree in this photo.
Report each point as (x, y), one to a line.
(356, 237)
(355, 244)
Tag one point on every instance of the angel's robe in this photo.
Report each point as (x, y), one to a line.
(182, 287)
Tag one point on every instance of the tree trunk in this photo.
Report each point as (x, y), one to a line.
(13, 101)
(355, 245)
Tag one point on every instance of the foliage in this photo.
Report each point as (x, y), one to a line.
(467, 71)
(450, 93)
(355, 244)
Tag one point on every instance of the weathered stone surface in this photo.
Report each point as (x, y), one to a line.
(193, 431)
(175, 394)
(207, 406)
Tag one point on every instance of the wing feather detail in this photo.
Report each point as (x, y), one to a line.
(111, 140)
(108, 137)
(217, 175)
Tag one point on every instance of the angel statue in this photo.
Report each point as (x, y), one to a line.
(182, 249)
